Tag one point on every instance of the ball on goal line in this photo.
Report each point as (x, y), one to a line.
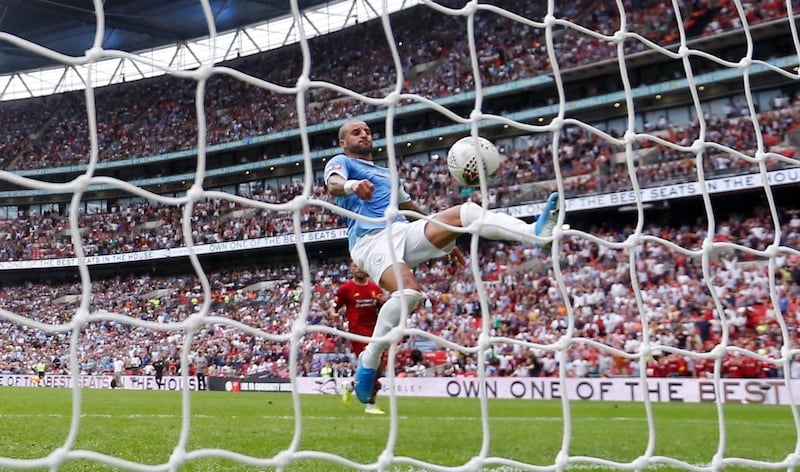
(463, 160)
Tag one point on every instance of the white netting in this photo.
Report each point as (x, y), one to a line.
(555, 44)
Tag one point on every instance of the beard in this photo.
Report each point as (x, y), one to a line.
(360, 149)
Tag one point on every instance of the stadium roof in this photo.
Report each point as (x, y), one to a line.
(68, 26)
(156, 34)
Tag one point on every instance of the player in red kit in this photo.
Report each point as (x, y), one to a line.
(361, 299)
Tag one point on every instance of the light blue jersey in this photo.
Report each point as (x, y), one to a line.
(357, 169)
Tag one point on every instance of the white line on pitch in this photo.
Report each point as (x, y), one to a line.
(387, 416)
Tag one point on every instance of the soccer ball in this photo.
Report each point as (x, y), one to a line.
(463, 160)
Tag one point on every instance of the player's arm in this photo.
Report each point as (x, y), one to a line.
(338, 186)
(339, 299)
(410, 205)
(404, 202)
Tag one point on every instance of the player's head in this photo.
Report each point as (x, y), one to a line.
(355, 138)
(358, 274)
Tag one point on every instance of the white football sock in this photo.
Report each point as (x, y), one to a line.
(496, 225)
(388, 318)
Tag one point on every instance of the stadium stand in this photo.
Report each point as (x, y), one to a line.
(147, 119)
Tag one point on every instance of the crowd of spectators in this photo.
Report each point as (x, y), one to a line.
(674, 307)
(586, 161)
(157, 116)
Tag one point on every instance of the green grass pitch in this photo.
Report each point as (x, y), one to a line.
(145, 427)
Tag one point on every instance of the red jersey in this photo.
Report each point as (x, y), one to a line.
(703, 367)
(751, 368)
(361, 303)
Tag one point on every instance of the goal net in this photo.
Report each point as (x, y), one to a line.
(667, 128)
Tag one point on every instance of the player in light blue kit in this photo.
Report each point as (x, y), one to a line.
(362, 187)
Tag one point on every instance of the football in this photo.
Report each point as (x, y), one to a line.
(463, 160)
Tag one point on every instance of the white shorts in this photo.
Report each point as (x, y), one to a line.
(373, 252)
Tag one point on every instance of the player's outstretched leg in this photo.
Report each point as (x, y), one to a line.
(547, 220)
(503, 227)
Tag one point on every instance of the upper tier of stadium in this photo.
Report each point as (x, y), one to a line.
(158, 116)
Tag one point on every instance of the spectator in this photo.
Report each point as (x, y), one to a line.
(201, 370)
